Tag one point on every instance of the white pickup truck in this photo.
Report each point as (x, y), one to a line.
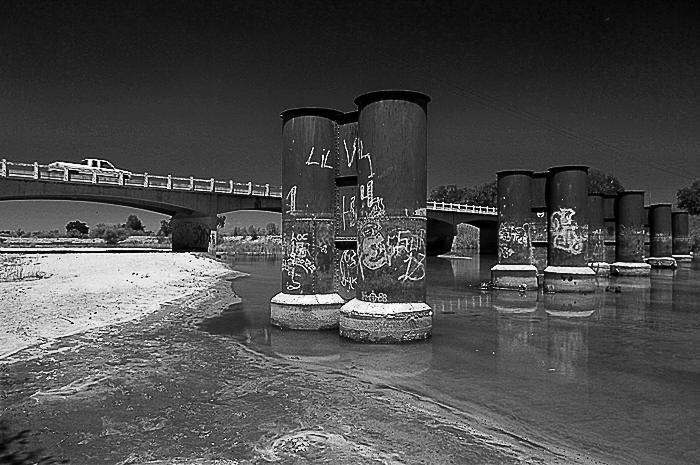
(89, 166)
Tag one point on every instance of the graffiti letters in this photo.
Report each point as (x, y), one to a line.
(374, 297)
(323, 163)
(291, 200)
(350, 157)
(366, 156)
(567, 235)
(374, 206)
(372, 247)
(347, 269)
(513, 239)
(400, 249)
(348, 214)
(297, 260)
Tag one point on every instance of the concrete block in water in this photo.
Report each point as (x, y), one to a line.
(630, 269)
(569, 279)
(305, 312)
(683, 258)
(385, 322)
(661, 262)
(514, 276)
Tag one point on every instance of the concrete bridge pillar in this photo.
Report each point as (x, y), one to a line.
(390, 296)
(629, 235)
(568, 231)
(596, 235)
(661, 241)
(193, 233)
(680, 231)
(539, 224)
(308, 300)
(514, 269)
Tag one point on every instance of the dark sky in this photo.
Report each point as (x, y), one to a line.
(196, 88)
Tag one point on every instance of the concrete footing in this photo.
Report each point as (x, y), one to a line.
(305, 312)
(569, 279)
(600, 268)
(630, 269)
(661, 262)
(683, 258)
(385, 322)
(514, 277)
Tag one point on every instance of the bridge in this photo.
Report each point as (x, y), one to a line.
(193, 203)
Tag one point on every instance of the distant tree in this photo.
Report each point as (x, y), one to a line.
(134, 223)
(220, 221)
(483, 194)
(78, 227)
(253, 232)
(115, 233)
(449, 194)
(603, 183)
(689, 198)
(272, 229)
(165, 229)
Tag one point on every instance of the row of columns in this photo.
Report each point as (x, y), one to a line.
(354, 219)
(550, 226)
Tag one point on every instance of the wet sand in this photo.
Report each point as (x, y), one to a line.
(160, 390)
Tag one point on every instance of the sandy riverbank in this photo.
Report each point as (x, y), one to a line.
(45, 297)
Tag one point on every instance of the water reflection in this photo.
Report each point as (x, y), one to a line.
(613, 372)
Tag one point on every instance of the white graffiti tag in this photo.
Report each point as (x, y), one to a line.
(512, 239)
(349, 215)
(374, 297)
(291, 199)
(347, 269)
(566, 233)
(372, 248)
(350, 157)
(297, 260)
(324, 159)
(401, 249)
(374, 205)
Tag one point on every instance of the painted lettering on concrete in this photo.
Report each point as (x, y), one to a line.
(350, 157)
(290, 200)
(567, 235)
(514, 240)
(401, 249)
(374, 297)
(347, 269)
(320, 159)
(297, 262)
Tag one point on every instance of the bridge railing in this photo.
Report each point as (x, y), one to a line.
(463, 208)
(146, 180)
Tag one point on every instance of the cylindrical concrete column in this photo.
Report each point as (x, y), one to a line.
(345, 205)
(629, 233)
(661, 241)
(596, 235)
(567, 270)
(307, 300)
(390, 292)
(514, 269)
(609, 228)
(539, 224)
(680, 230)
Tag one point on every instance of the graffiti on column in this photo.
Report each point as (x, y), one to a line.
(320, 159)
(291, 200)
(350, 157)
(297, 262)
(566, 233)
(513, 240)
(596, 245)
(348, 214)
(401, 250)
(374, 297)
(631, 241)
(407, 247)
(347, 269)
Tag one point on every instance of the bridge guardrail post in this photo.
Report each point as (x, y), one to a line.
(36, 170)
(250, 187)
(65, 174)
(170, 181)
(211, 185)
(94, 177)
(230, 186)
(121, 179)
(145, 179)
(267, 190)
(3, 168)
(191, 183)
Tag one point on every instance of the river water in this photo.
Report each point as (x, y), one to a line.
(619, 382)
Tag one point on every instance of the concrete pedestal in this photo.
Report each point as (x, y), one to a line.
(569, 279)
(661, 262)
(385, 322)
(630, 269)
(518, 277)
(305, 312)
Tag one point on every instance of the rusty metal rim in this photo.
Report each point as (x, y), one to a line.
(554, 169)
(349, 117)
(516, 171)
(657, 205)
(410, 95)
(310, 111)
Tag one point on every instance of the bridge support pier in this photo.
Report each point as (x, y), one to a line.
(596, 235)
(193, 233)
(390, 302)
(681, 237)
(308, 300)
(629, 235)
(514, 269)
(568, 231)
(661, 243)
